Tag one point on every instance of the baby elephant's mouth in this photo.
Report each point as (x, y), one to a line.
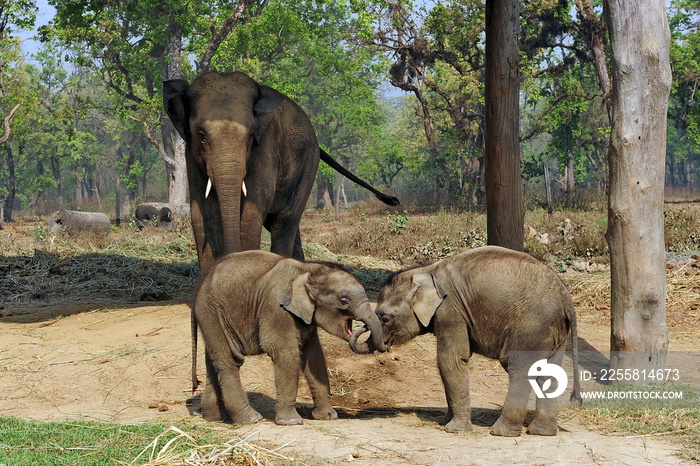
(348, 327)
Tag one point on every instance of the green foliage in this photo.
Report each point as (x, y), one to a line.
(81, 128)
(400, 223)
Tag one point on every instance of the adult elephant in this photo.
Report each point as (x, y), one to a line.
(252, 156)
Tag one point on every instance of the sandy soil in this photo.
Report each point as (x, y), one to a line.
(132, 364)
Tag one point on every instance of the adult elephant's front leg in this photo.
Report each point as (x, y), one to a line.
(453, 357)
(285, 238)
(251, 225)
(316, 374)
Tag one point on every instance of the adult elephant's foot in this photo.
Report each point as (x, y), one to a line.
(247, 416)
(503, 429)
(288, 418)
(458, 425)
(542, 427)
(324, 413)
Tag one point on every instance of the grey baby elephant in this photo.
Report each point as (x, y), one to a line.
(490, 301)
(257, 302)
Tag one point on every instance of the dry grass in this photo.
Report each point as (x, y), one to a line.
(183, 449)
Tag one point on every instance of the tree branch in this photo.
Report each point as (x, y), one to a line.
(6, 136)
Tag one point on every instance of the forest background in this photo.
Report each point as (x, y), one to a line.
(395, 91)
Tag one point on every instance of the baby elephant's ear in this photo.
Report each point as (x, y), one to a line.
(427, 297)
(297, 300)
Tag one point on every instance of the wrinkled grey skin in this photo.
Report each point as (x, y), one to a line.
(488, 301)
(240, 132)
(257, 302)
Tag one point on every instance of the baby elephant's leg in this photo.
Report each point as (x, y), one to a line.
(224, 388)
(510, 423)
(546, 409)
(316, 375)
(287, 364)
(453, 358)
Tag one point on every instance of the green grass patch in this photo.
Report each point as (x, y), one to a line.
(91, 443)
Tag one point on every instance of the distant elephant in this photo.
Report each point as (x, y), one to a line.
(257, 302)
(491, 301)
(252, 156)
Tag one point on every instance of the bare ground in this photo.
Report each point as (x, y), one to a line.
(131, 365)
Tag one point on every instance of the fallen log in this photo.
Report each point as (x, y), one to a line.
(75, 222)
(160, 214)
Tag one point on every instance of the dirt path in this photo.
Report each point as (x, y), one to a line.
(132, 365)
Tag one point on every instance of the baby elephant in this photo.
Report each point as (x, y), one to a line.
(257, 302)
(490, 301)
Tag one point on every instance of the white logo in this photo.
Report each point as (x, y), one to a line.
(542, 368)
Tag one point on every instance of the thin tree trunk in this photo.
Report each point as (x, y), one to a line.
(505, 215)
(548, 187)
(594, 34)
(11, 183)
(118, 206)
(640, 41)
(339, 181)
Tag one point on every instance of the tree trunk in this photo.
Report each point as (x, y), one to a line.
(118, 203)
(594, 35)
(173, 149)
(9, 203)
(505, 215)
(640, 41)
(324, 188)
(548, 188)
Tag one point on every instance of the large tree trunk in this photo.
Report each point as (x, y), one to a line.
(505, 215)
(173, 149)
(640, 41)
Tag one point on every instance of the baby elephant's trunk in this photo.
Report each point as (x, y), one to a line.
(365, 347)
(372, 324)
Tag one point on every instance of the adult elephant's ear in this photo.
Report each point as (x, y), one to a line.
(265, 108)
(427, 298)
(298, 299)
(176, 104)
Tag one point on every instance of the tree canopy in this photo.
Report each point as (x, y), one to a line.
(395, 91)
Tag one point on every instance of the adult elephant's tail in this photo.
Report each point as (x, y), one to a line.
(385, 198)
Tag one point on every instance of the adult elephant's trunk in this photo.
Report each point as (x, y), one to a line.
(372, 324)
(227, 180)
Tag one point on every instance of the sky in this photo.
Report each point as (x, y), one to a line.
(44, 14)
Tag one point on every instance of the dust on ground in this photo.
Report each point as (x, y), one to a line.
(131, 365)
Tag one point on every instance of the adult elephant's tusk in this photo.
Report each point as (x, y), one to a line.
(206, 192)
(245, 191)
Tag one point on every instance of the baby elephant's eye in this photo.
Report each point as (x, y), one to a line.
(344, 301)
